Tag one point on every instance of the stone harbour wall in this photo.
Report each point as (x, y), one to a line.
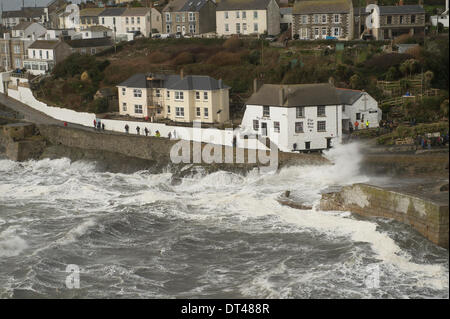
(428, 217)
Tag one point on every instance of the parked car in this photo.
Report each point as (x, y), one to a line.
(156, 35)
(178, 35)
(271, 38)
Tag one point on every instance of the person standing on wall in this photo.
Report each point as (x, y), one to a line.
(356, 125)
(367, 123)
(127, 128)
(146, 131)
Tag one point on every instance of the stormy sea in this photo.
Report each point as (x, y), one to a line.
(209, 235)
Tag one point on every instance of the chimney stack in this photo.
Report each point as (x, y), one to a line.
(282, 95)
(182, 73)
(400, 3)
(256, 85)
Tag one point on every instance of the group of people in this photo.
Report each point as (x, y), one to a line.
(387, 124)
(428, 142)
(147, 132)
(357, 124)
(99, 125)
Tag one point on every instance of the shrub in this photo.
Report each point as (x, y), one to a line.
(232, 44)
(158, 57)
(225, 58)
(101, 105)
(184, 58)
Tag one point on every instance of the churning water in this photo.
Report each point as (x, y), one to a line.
(220, 235)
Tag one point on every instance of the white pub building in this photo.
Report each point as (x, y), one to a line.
(300, 117)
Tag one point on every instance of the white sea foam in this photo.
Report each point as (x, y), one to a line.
(10, 243)
(76, 232)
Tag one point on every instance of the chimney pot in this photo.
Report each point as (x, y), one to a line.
(281, 95)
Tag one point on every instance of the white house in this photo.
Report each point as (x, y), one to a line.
(295, 117)
(111, 19)
(28, 30)
(441, 18)
(247, 17)
(358, 106)
(43, 55)
(96, 32)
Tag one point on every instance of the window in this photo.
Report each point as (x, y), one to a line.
(266, 111)
(244, 27)
(127, 20)
(137, 93)
(138, 20)
(298, 127)
(34, 53)
(321, 111)
(413, 19)
(168, 19)
(168, 28)
(191, 16)
(197, 95)
(276, 127)
(168, 109)
(103, 20)
(178, 28)
(124, 91)
(226, 14)
(255, 125)
(255, 27)
(304, 19)
(316, 32)
(304, 33)
(17, 49)
(18, 63)
(324, 32)
(321, 126)
(238, 28)
(93, 51)
(183, 18)
(197, 112)
(389, 20)
(192, 28)
(124, 107)
(401, 19)
(255, 14)
(337, 18)
(227, 28)
(206, 112)
(358, 116)
(244, 15)
(177, 18)
(316, 18)
(179, 111)
(205, 96)
(168, 94)
(237, 14)
(324, 18)
(138, 109)
(179, 96)
(158, 93)
(300, 111)
(336, 32)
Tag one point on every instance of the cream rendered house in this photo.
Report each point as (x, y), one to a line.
(140, 19)
(247, 17)
(176, 97)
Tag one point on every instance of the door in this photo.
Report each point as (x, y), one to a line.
(307, 145)
(263, 128)
(328, 142)
(183, 30)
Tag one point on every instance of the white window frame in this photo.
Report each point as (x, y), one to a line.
(138, 109)
(179, 111)
(205, 96)
(124, 106)
(137, 92)
(205, 112)
(320, 124)
(337, 18)
(179, 96)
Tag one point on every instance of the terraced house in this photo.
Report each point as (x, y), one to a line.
(189, 16)
(176, 97)
(397, 20)
(323, 19)
(248, 17)
(90, 17)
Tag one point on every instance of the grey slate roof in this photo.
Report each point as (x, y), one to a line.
(286, 10)
(44, 44)
(23, 25)
(27, 12)
(348, 96)
(184, 5)
(225, 5)
(296, 95)
(405, 9)
(112, 12)
(175, 82)
(90, 43)
(322, 6)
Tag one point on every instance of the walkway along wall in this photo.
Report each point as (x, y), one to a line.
(205, 135)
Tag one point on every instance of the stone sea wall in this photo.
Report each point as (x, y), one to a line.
(427, 216)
